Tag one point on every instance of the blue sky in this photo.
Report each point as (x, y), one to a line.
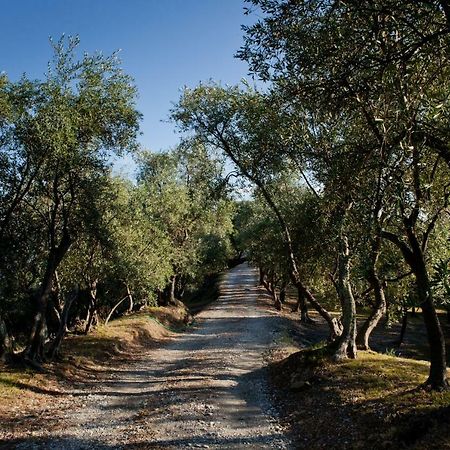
(164, 45)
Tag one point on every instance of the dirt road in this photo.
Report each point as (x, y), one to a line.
(206, 388)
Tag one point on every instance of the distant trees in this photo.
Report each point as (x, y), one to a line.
(185, 197)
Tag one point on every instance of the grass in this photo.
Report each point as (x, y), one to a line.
(370, 402)
(12, 382)
(123, 338)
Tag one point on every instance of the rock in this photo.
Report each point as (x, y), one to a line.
(298, 385)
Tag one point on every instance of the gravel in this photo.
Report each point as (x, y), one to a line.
(206, 388)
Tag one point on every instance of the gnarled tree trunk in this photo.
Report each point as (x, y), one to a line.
(437, 378)
(34, 351)
(362, 338)
(92, 308)
(54, 351)
(5, 341)
(415, 258)
(276, 299)
(346, 343)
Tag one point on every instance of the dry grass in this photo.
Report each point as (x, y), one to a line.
(372, 402)
(130, 334)
(25, 394)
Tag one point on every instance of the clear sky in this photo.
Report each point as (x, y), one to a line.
(165, 44)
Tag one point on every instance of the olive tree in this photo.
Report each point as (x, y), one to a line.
(57, 147)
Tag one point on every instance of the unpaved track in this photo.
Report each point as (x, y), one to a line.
(207, 388)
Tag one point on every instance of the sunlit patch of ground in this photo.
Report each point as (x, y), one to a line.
(28, 398)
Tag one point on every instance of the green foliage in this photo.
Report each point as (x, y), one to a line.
(441, 282)
(356, 107)
(183, 196)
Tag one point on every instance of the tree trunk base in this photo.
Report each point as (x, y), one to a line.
(307, 319)
(33, 364)
(363, 347)
(441, 386)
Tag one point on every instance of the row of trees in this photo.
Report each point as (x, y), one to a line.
(77, 242)
(349, 148)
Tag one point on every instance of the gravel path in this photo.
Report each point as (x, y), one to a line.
(207, 388)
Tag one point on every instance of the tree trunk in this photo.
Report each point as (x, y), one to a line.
(34, 351)
(362, 338)
(437, 378)
(283, 294)
(57, 291)
(56, 313)
(414, 257)
(346, 344)
(92, 309)
(403, 328)
(173, 283)
(63, 325)
(296, 307)
(333, 323)
(276, 299)
(130, 298)
(127, 297)
(5, 341)
(114, 308)
(261, 277)
(90, 319)
(303, 307)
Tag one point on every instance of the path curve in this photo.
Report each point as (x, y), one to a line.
(207, 388)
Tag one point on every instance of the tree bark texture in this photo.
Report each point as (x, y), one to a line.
(437, 378)
(63, 325)
(362, 338)
(347, 341)
(34, 351)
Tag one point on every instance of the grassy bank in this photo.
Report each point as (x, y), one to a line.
(372, 402)
(25, 393)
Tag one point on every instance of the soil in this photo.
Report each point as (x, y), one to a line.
(204, 388)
